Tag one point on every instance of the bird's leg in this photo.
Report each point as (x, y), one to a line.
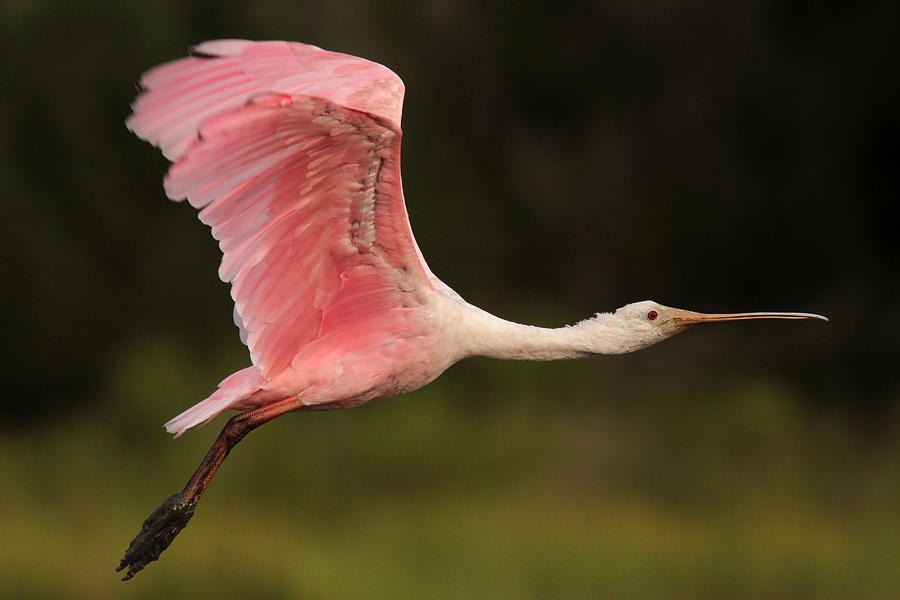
(170, 517)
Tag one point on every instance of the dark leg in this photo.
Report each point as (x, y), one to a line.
(170, 517)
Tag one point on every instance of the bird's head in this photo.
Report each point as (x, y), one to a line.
(642, 324)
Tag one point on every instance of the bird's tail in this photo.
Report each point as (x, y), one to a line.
(232, 390)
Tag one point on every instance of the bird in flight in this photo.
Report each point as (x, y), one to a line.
(292, 156)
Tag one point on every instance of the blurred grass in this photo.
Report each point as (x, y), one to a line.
(501, 481)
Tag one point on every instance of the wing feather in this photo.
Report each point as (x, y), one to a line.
(291, 153)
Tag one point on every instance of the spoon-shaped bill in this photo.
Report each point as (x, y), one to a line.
(689, 317)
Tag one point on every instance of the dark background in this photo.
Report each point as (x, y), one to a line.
(559, 159)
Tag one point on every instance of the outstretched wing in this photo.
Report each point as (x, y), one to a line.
(292, 153)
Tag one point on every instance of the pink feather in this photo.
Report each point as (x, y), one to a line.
(292, 155)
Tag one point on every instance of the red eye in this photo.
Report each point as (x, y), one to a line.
(652, 315)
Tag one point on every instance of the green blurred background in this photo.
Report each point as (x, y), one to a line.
(559, 159)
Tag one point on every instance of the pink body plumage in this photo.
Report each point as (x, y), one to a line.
(291, 153)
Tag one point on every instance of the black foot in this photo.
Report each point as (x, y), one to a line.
(157, 532)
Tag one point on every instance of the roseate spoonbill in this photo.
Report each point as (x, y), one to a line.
(292, 155)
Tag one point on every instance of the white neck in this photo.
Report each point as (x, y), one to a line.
(483, 334)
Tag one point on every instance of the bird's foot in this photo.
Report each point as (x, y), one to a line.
(157, 532)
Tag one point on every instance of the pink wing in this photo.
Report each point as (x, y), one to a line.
(292, 154)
